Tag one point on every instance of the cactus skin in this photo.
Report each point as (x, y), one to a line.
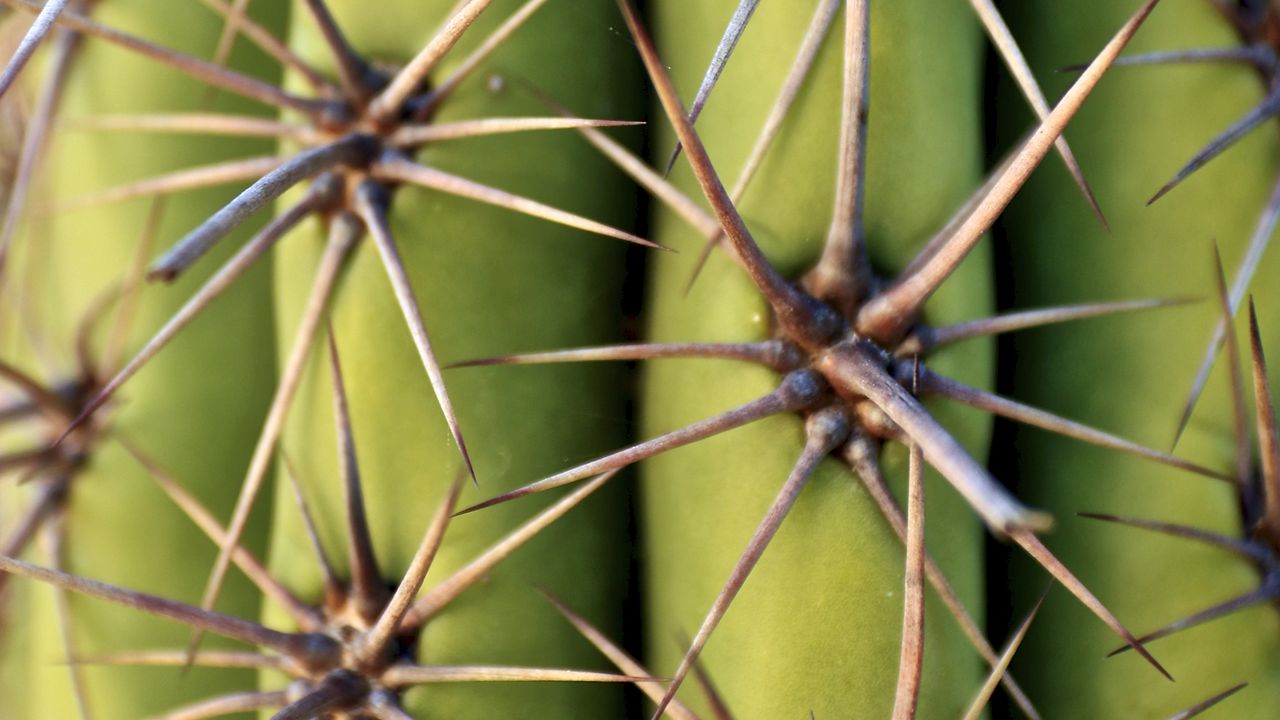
(488, 281)
(1129, 375)
(192, 411)
(817, 626)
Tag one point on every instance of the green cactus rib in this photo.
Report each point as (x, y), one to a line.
(188, 410)
(481, 277)
(853, 366)
(1257, 52)
(349, 655)
(1120, 374)
(436, 132)
(721, 307)
(357, 157)
(385, 167)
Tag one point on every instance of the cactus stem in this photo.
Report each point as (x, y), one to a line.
(999, 670)
(953, 223)
(1253, 23)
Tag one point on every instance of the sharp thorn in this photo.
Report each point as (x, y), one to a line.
(371, 204)
(397, 168)
(1006, 657)
(1051, 563)
(1255, 117)
(799, 390)
(352, 149)
(724, 50)
(438, 597)
(826, 430)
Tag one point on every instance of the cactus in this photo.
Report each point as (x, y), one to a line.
(66, 262)
(1107, 375)
(442, 168)
(348, 150)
